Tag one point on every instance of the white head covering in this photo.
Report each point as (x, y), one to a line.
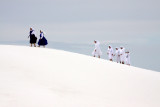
(121, 47)
(109, 46)
(32, 28)
(97, 42)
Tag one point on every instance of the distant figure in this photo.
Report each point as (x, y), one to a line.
(127, 58)
(122, 55)
(110, 53)
(97, 51)
(42, 41)
(33, 38)
(117, 54)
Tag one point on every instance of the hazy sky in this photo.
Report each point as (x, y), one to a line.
(82, 21)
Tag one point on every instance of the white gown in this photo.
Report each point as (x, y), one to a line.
(128, 59)
(122, 55)
(110, 53)
(97, 51)
(117, 54)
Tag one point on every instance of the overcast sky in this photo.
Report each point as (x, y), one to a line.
(82, 21)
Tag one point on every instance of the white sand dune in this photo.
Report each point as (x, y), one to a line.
(37, 77)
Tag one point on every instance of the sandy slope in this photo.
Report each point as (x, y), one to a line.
(37, 77)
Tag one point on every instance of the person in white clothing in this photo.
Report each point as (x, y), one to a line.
(97, 51)
(110, 53)
(127, 55)
(117, 54)
(122, 55)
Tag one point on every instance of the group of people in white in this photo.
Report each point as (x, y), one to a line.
(121, 55)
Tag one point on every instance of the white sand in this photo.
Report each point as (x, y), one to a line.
(37, 77)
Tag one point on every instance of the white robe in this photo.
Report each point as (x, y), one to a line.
(110, 53)
(97, 51)
(127, 55)
(117, 54)
(122, 55)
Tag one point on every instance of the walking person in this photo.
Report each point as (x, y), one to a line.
(110, 53)
(127, 58)
(42, 41)
(33, 38)
(117, 54)
(122, 55)
(97, 51)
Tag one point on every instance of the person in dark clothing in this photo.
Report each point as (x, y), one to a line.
(33, 38)
(42, 41)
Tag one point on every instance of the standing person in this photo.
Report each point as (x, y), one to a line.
(117, 54)
(42, 41)
(122, 55)
(33, 38)
(127, 58)
(110, 53)
(97, 51)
